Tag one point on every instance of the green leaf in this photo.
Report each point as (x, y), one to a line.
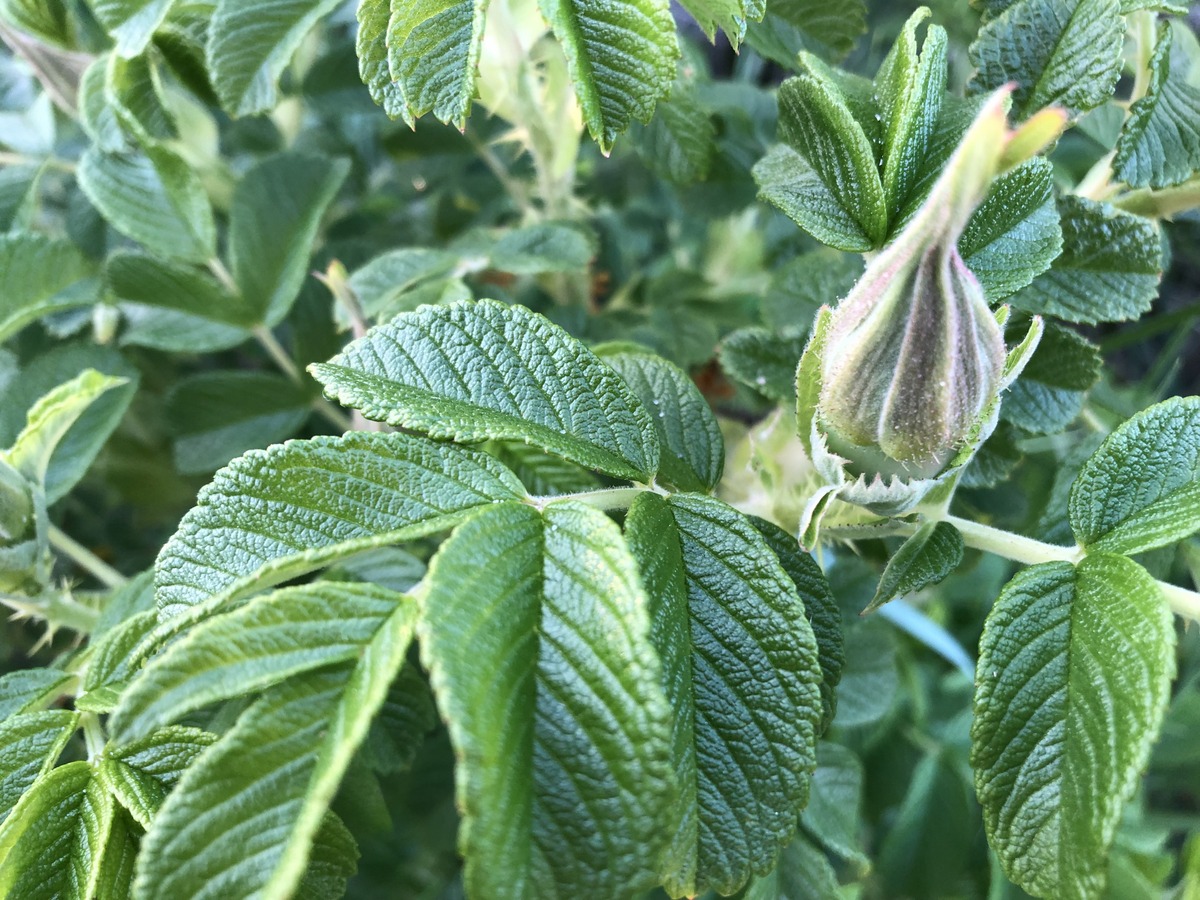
(272, 637)
(542, 473)
(18, 196)
(909, 88)
(841, 180)
(803, 873)
(1108, 271)
(277, 209)
(1014, 235)
(131, 23)
(1074, 672)
(97, 116)
(381, 284)
(109, 663)
(822, 610)
(49, 420)
(763, 360)
(215, 416)
(803, 285)
(728, 15)
(832, 817)
(79, 446)
(1052, 387)
(29, 689)
(153, 197)
(870, 680)
(544, 247)
(275, 514)
(115, 881)
(40, 275)
(742, 674)
(372, 52)
(48, 21)
(621, 56)
(30, 744)
(257, 800)
(141, 774)
(135, 93)
(174, 306)
(1160, 144)
(53, 841)
(250, 43)
(536, 635)
(405, 718)
(474, 371)
(433, 55)
(1141, 488)
(1059, 52)
(679, 142)
(931, 554)
(829, 28)
(693, 450)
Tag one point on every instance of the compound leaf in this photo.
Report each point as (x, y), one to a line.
(1141, 488)
(742, 674)
(480, 370)
(1074, 670)
(536, 635)
(275, 514)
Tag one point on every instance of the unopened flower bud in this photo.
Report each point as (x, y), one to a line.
(913, 355)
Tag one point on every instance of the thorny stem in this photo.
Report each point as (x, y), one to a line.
(85, 558)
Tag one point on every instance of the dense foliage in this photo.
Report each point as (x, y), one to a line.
(525, 449)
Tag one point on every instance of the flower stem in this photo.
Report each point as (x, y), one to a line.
(85, 558)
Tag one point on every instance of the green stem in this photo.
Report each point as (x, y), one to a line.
(93, 734)
(85, 558)
(284, 361)
(223, 275)
(1016, 547)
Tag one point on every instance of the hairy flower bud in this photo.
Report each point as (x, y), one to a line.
(913, 356)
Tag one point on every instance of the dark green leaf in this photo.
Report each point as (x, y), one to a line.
(141, 774)
(1014, 235)
(833, 815)
(545, 247)
(1074, 672)
(1141, 488)
(1108, 270)
(693, 450)
(742, 673)
(820, 607)
(826, 27)
(1160, 144)
(153, 197)
(536, 635)
(250, 43)
(277, 209)
(763, 360)
(40, 275)
(680, 140)
(174, 306)
(474, 371)
(1059, 52)
(1051, 390)
(215, 416)
(803, 285)
(30, 689)
(131, 22)
(372, 51)
(433, 54)
(924, 559)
